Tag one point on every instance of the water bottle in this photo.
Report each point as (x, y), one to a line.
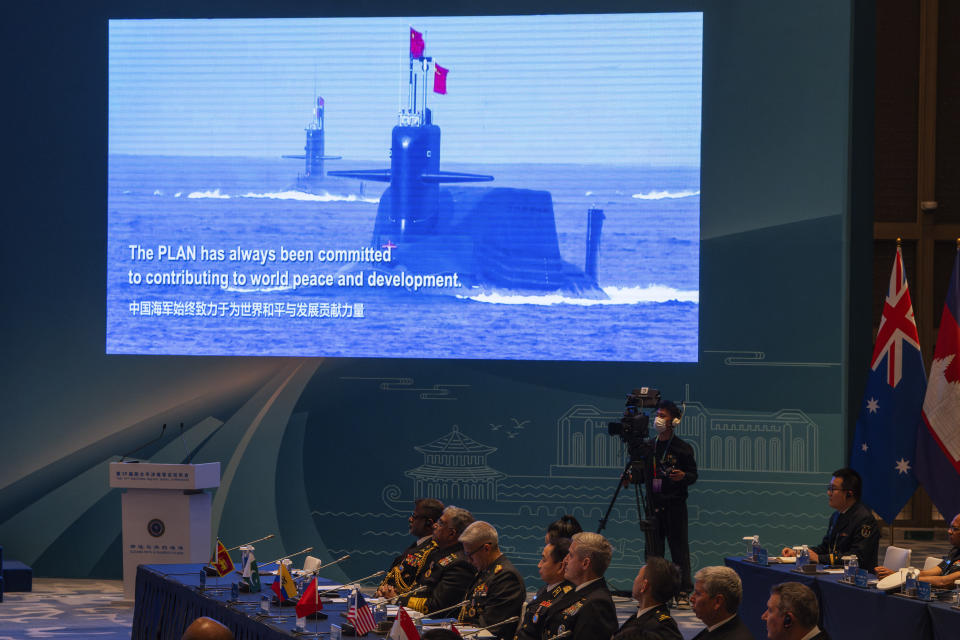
(852, 569)
(755, 548)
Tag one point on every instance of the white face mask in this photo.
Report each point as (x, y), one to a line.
(660, 424)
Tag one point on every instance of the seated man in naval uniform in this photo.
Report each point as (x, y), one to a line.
(550, 598)
(589, 611)
(717, 592)
(448, 573)
(497, 593)
(944, 574)
(407, 567)
(655, 585)
(792, 613)
(852, 528)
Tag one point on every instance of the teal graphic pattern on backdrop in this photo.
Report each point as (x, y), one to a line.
(329, 453)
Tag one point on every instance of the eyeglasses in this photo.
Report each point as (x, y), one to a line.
(952, 529)
(470, 554)
(833, 489)
(418, 516)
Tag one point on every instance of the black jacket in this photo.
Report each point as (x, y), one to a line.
(856, 532)
(543, 605)
(655, 624)
(497, 593)
(589, 612)
(447, 576)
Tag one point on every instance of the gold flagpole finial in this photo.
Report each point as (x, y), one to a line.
(899, 241)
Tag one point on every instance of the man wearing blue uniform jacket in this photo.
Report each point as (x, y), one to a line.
(448, 573)
(655, 585)
(852, 528)
(716, 597)
(947, 572)
(550, 598)
(589, 613)
(497, 593)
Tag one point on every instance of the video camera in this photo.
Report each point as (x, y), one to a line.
(634, 427)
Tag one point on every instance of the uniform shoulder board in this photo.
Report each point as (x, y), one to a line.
(498, 568)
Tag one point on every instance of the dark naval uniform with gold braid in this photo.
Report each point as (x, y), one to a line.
(589, 613)
(496, 594)
(405, 570)
(447, 576)
(655, 624)
(538, 610)
(854, 531)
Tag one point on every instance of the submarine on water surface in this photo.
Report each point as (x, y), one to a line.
(497, 239)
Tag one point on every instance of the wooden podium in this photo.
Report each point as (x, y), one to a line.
(166, 514)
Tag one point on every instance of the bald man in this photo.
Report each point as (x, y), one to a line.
(207, 629)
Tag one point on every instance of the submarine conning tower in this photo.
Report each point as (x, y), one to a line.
(494, 238)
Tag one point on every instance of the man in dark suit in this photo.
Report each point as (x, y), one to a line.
(550, 598)
(497, 593)
(588, 612)
(655, 585)
(792, 613)
(717, 592)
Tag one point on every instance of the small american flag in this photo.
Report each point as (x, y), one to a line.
(359, 615)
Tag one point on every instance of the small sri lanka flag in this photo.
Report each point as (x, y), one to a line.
(222, 562)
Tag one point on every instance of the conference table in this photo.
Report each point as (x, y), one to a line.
(846, 611)
(168, 600)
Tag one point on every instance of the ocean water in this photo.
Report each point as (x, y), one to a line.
(648, 267)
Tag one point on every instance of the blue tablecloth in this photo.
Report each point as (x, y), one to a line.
(167, 601)
(847, 611)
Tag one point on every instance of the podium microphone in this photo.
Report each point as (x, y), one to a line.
(123, 458)
(501, 623)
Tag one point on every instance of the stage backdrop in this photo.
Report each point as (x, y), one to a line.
(332, 452)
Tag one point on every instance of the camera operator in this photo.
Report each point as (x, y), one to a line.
(669, 469)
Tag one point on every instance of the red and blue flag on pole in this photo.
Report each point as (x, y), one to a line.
(885, 443)
(938, 436)
(359, 614)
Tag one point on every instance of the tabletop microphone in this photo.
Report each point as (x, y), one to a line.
(350, 584)
(459, 604)
(251, 542)
(307, 550)
(393, 600)
(145, 445)
(499, 624)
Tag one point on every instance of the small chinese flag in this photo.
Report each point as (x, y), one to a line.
(223, 564)
(440, 79)
(310, 601)
(416, 43)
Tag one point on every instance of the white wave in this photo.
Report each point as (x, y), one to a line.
(178, 194)
(588, 193)
(311, 197)
(157, 192)
(617, 296)
(209, 194)
(661, 195)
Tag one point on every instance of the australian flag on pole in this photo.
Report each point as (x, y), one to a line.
(885, 443)
(938, 436)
